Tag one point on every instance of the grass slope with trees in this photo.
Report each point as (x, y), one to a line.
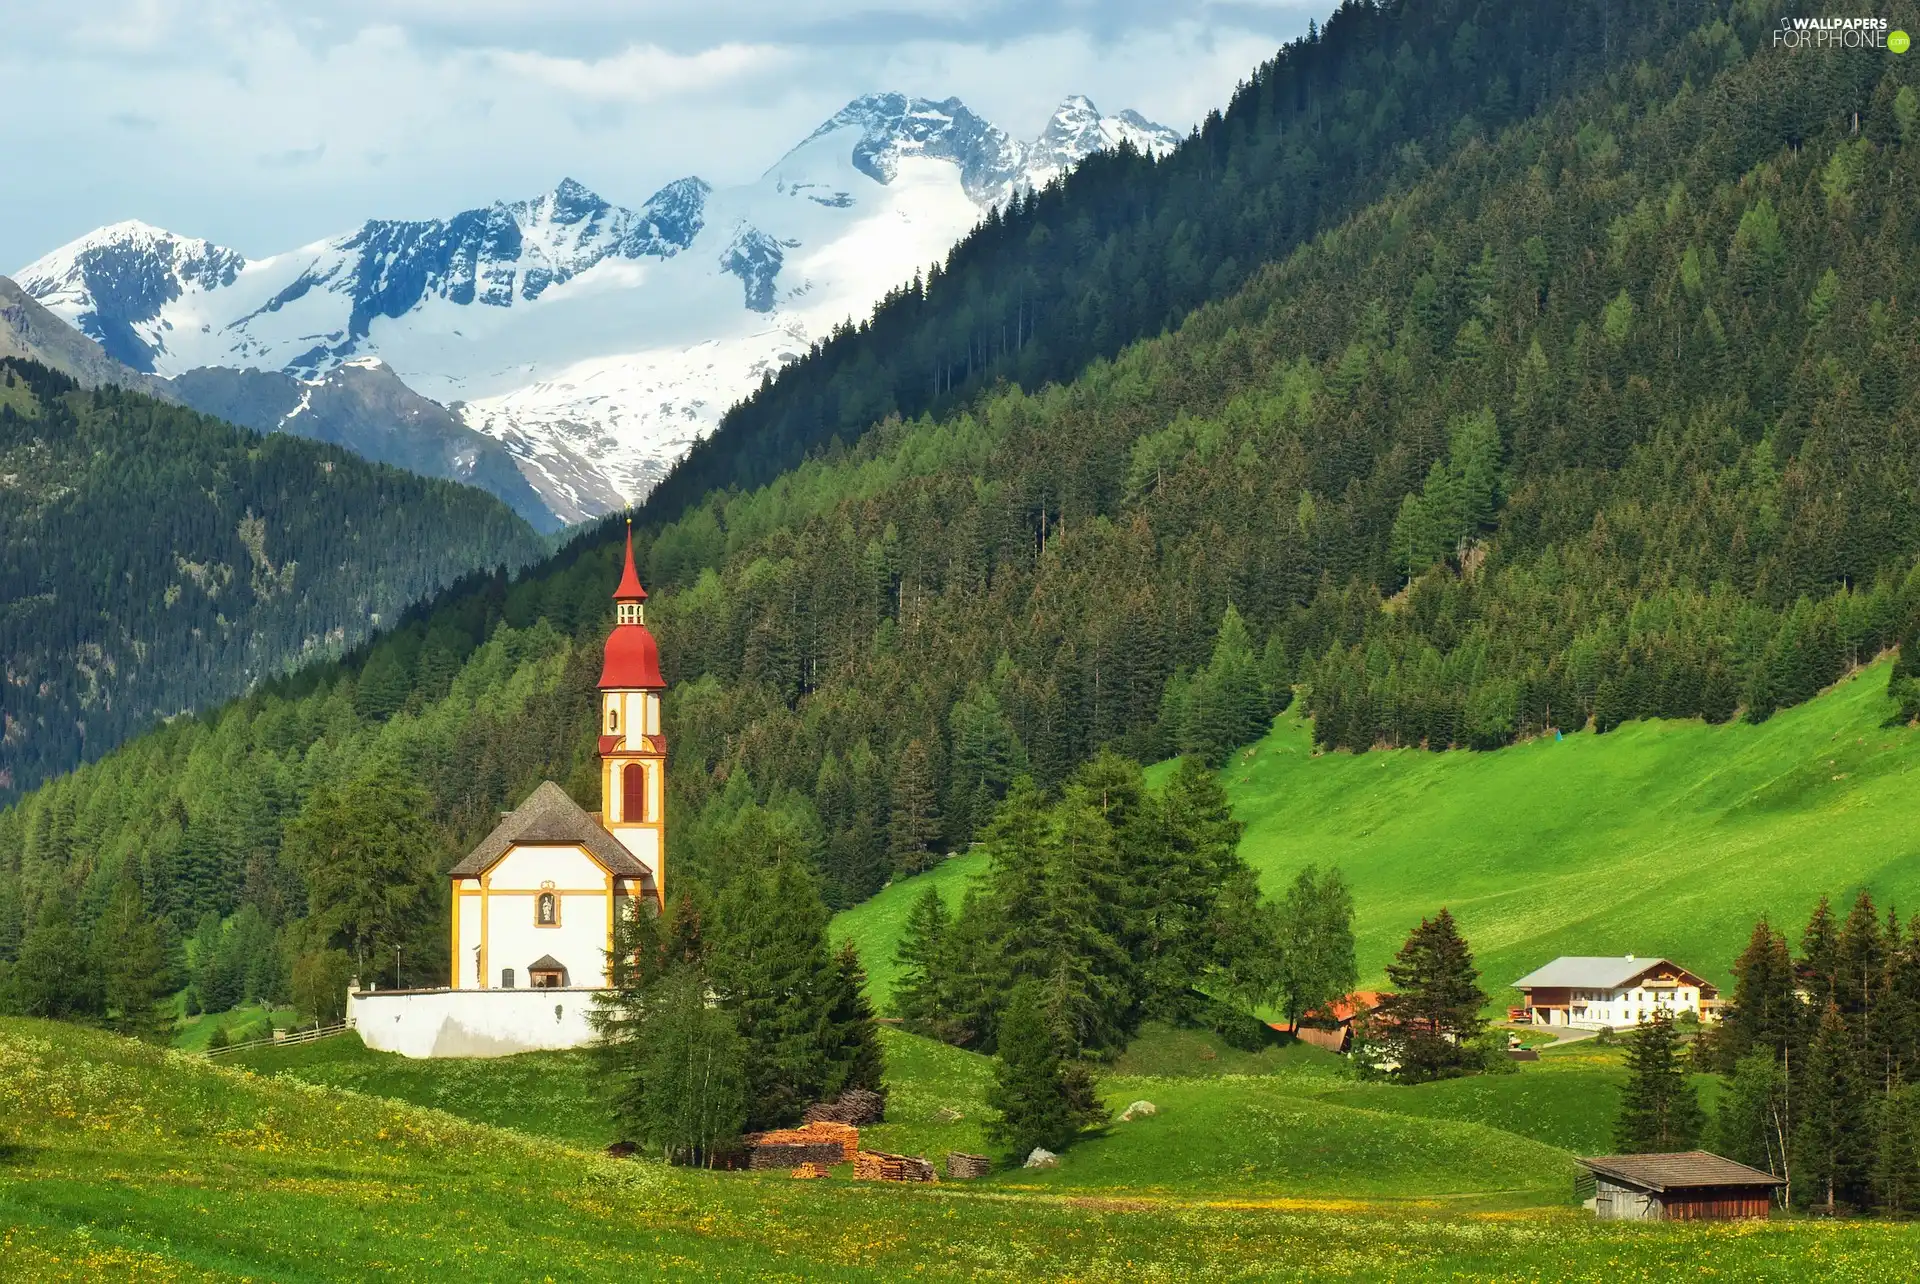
(159, 561)
(1661, 838)
(1601, 418)
(214, 1173)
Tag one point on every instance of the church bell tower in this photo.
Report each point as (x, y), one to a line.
(633, 749)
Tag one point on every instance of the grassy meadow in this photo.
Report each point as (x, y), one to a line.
(128, 1162)
(1659, 838)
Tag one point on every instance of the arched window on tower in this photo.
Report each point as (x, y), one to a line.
(613, 721)
(633, 793)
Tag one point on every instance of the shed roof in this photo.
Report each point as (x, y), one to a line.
(548, 816)
(1591, 971)
(1688, 1168)
(546, 963)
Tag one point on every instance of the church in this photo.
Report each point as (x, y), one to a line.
(533, 906)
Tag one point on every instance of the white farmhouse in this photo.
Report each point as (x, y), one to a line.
(1605, 992)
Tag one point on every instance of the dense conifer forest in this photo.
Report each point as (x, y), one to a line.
(1359, 108)
(159, 561)
(1600, 416)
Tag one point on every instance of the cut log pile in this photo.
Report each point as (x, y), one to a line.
(816, 1143)
(962, 1165)
(855, 1106)
(779, 1154)
(878, 1165)
(809, 1172)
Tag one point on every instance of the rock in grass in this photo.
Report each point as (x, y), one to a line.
(947, 1115)
(1139, 1110)
(1041, 1157)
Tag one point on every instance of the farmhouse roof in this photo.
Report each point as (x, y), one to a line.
(1593, 972)
(549, 817)
(546, 963)
(1680, 1171)
(1345, 1009)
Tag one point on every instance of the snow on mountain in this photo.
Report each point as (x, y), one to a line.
(596, 342)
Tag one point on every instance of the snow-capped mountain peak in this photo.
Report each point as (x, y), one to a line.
(596, 341)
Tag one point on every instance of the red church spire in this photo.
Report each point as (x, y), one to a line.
(630, 590)
(632, 659)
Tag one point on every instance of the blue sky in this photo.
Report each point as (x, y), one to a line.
(265, 125)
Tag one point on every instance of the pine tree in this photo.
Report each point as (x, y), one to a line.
(1429, 1024)
(852, 1041)
(915, 825)
(1817, 961)
(1859, 965)
(770, 968)
(1764, 1013)
(1037, 1102)
(1659, 1110)
(921, 961)
(131, 957)
(1831, 1145)
(54, 975)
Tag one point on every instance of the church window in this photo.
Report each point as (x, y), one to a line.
(613, 721)
(628, 612)
(547, 910)
(506, 978)
(633, 791)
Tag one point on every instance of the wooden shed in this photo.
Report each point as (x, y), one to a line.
(1686, 1187)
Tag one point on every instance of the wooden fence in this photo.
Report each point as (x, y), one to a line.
(282, 1040)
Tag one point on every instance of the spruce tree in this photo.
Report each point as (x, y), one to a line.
(132, 961)
(1659, 1110)
(1764, 1013)
(921, 960)
(1429, 1024)
(854, 1056)
(54, 975)
(1037, 1102)
(915, 825)
(770, 968)
(1831, 1153)
(1817, 960)
(1896, 1160)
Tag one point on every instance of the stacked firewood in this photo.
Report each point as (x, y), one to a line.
(962, 1165)
(855, 1106)
(816, 1143)
(877, 1165)
(809, 1172)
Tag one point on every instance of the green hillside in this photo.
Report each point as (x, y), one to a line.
(1658, 838)
(158, 561)
(1603, 416)
(119, 1160)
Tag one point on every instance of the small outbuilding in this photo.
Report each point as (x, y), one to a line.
(1691, 1186)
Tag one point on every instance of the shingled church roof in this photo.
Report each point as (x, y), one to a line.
(547, 818)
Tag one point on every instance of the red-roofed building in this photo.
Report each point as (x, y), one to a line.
(1333, 1029)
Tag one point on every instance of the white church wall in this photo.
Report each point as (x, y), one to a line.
(466, 973)
(471, 1023)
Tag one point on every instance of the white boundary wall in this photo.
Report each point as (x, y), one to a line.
(470, 1023)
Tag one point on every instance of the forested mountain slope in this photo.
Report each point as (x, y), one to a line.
(1126, 246)
(1604, 417)
(158, 561)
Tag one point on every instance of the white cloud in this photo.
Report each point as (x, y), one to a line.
(640, 73)
(264, 124)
